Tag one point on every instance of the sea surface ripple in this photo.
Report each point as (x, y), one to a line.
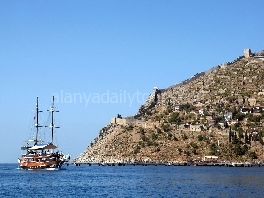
(133, 181)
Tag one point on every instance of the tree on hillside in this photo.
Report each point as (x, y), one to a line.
(235, 126)
(230, 135)
(158, 130)
(240, 132)
(239, 116)
(246, 138)
(165, 127)
(154, 136)
(184, 137)
(174, 118)
(141, 130)
(213, 149)
(234, 111)
(237, 150)
(253, 118)
(169, 136)
(200, 137)
(253, 155)
(219, 119)
(186, 107)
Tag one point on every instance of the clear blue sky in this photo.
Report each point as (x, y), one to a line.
(96, 55)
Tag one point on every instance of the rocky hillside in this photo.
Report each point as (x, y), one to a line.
(218, 112)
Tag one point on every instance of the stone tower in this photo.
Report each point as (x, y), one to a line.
(247, 53)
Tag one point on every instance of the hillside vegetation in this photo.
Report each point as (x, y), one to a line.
(218, 112)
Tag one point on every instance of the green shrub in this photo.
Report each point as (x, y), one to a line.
(136, 150)
(144, 138)
(200, 137)
(158, 130)
(129, 127)
(154, 136)
(165, 127)
(184, 137)
(253, 155)
(141, 130)
(169, 136)
(194, 145)
(174, 118)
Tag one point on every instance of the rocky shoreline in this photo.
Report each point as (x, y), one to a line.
(182, 163)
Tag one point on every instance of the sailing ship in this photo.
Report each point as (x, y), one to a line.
(40, 155)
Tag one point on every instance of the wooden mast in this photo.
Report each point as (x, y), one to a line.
(52, 110)
(37, 122)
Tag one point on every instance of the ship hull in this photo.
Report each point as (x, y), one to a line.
(41, 162)
(40, 166)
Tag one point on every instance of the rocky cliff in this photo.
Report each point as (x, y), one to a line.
(217, 112)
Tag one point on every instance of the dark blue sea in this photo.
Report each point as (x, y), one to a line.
(133, 181)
